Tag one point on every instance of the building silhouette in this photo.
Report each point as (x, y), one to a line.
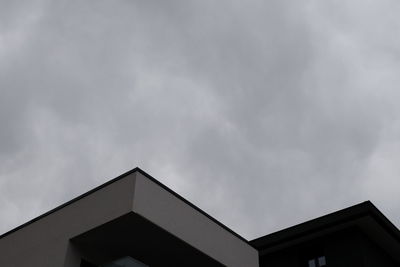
(135, 221)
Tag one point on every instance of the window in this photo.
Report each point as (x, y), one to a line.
(86, 264)
(317, 262)
(125, 262)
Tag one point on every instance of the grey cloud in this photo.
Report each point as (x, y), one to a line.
(264, 114)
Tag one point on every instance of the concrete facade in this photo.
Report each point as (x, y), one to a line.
(46, 241)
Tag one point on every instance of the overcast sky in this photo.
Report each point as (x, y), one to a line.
(262, 113)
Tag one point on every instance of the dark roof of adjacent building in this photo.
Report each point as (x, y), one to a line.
(365, 216)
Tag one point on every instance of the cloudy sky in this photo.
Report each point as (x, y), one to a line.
(262, 113)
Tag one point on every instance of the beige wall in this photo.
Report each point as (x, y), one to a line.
(45, 242)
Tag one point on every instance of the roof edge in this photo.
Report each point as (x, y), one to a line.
(193, 206)
(136, 169)
(366, 208)
(97, 188)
